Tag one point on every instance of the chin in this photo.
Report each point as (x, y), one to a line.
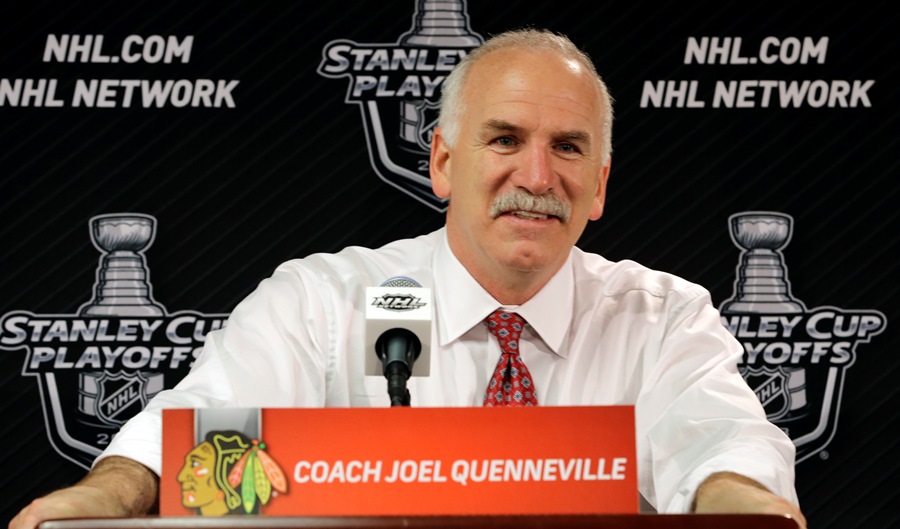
(527, 264)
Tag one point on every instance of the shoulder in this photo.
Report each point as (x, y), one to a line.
(370, 264)
(328, 283)
(627, 277)
(358, 266)
(650, 304)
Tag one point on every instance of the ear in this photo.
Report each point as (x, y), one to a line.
(439, 165)
(600, 197)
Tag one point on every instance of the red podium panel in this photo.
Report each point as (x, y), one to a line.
(609, 521)
(400, 462)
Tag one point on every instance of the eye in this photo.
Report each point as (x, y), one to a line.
(505, 141)
(568, 148)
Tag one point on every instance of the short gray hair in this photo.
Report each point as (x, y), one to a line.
(452, 107)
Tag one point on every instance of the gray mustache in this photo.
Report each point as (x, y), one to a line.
(521, 200)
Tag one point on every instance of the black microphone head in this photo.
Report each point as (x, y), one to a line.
(401, 282)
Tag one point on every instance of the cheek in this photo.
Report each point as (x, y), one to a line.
(201, 472)
(581, 190)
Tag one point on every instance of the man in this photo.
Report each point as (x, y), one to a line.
(523, 153)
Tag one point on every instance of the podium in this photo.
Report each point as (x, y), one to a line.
(318, 469)
(415, 462)
(603, 521)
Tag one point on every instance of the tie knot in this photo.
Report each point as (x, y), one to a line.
(506, 326)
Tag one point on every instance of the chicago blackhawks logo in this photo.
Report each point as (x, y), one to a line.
(229, 474)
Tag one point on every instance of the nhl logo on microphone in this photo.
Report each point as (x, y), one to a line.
(398, 302)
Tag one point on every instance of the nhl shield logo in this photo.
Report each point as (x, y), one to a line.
(771, 389)
(397, 87)
(113, 397)
(420, 129)
(795, 358)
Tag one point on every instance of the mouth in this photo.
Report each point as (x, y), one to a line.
(523, 205)
(530, 215)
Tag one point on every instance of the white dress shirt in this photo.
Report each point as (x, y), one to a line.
(599, 333)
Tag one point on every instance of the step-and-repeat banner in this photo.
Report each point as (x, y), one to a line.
(158, 159)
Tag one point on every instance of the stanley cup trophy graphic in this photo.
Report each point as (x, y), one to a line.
(122, 287)
(400, 128)
(440, 24)
(762, 288)
(762, 285)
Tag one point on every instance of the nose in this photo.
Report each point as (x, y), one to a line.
(537, 174)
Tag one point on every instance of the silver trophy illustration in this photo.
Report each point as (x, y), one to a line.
(440, 23)
(122, 287)
(762, 286)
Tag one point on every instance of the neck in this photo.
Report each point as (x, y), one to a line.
(513, 287)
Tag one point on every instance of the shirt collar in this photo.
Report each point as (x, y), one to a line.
(461, 303)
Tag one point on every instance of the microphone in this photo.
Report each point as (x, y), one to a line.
(398, 329)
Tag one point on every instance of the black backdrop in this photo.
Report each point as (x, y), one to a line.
(286, 172)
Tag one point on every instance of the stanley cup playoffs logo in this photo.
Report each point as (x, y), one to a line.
(97, 368)
(795, 358)
(397, 87)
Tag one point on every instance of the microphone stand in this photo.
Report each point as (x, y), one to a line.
(397, 374)
(398, 349)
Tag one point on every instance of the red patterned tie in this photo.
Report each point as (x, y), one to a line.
(511, 384)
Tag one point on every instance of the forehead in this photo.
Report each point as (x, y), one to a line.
(533, 89)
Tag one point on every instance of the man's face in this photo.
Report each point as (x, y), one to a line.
(532, 123)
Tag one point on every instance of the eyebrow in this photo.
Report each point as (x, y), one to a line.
(575, 136)
(496, 126)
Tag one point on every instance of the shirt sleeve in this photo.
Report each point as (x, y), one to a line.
(700, 416)
(271, 353)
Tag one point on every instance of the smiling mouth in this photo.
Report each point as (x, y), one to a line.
(530, 215)
(524, 205)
